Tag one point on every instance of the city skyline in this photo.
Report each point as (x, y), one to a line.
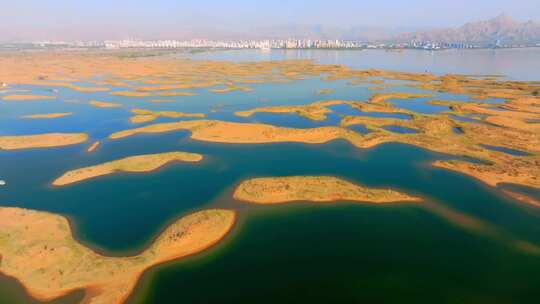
(165, 19)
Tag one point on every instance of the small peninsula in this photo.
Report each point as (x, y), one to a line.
(143, 115)
(139, 163)
(39, 250)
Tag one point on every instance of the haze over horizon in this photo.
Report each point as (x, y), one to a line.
(161, 19)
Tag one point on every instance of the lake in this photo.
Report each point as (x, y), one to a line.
(302, 252)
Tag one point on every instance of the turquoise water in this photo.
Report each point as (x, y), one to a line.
(343, 253)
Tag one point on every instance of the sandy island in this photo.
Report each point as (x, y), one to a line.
(139, 163)
(147, 94)
(277, 190)
(142, 115)
(27, 97)
(245, 133)
(314, 111)
(38, 249)
(47, 116)
(230, 89)
(103, 104)
(47, 140)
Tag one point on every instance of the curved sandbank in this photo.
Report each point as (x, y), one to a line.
(315, 111)
(47, 116)
(71, 86)
(245, 133)
(47, 140)
(147, 94)
(230, 89)
(103, 104)
(143, 115)
(384, 97)
(323, 189)
(27, 97)
(318, 110)
(135, 164)
(38, 249)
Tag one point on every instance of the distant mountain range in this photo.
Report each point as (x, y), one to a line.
(323, 32)
(501, 28)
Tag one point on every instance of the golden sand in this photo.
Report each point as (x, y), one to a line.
(46, 140)
(512, 125)
(230, 89)
(93, 147)
(46, 116)
(139, 163)
(315, 111)
(146, 94)
(323, 189)
(383, 97)
(244, 133)
(38, 249)
(27, 97)
(143, 115)
(102, 104)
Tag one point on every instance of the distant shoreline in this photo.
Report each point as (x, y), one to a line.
(196, 50)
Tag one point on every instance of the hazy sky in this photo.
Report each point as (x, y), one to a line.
(88, 19)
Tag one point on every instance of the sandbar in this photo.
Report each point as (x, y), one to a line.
(146, 94)
(315, 111)
(244, 133)
(133, 164)
(230, 89)
(38, 249)
(143, 115)
(93, 147)
(103, 104)
(383, 97)
(46, 140)
(27, 97)
(47, 116)
(322, 189)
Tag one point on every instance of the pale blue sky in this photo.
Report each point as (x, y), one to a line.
(29, 19)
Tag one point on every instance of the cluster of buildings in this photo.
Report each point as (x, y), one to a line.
(237, 44)
(261, 44)
(431, 45)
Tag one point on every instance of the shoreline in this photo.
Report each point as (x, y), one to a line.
(101, 288)
(144, 163)
(315, 189)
